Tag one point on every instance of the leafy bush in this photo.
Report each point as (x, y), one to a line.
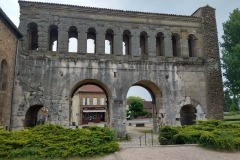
(212, 134)
(234, 107)
(50, 141)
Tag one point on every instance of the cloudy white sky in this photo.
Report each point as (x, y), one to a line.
(181, 7)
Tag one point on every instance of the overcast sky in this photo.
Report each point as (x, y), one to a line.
(180, 7)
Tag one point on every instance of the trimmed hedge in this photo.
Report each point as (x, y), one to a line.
(51, 141)
(213, 134)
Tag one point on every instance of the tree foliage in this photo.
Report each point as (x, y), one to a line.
(136, 106)
(231, 52)
(227, 102)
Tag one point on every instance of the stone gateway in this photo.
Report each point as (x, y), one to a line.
(175, 57)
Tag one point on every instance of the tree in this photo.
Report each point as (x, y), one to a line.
(227, 102)
(136, 106)
(231, 53)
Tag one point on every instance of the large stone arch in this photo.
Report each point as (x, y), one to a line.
(190, 103)
(157, 101)
(101, 85)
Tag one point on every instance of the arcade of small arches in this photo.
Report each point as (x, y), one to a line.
(91, 36)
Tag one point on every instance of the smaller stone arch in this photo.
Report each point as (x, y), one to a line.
(188, 115)
(176, 48)
(53, 37)
(109, 37)
(91, 38)
(32, 118)
(143, 43)
(126, 41)
(160, 44)
(72, 39)
(189, 110)
(32, 36)
(192, 45)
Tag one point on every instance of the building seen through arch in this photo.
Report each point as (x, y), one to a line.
(89, 105)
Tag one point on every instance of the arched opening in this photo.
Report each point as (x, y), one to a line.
(143, 43)
(36, 115)
(176, 45)
(89, 104)
(3, 75)
(191, 45)
(188, 115)
(53, 38)
(160, 44)
(153, 95)
(109, 41)
(73, 39)
(144, 97)
(32, 36)
(126, 42)
(91, 40)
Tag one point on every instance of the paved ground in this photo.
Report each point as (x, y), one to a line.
(131, 150)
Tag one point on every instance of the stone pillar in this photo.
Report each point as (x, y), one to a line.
(43, 39)
(214, 86)
(184, 44)
(135, 44)
(118, 117)
(100, 43)
(62, 45)
(151, 44)
(168, 51)
(117, 44)
(82, 42)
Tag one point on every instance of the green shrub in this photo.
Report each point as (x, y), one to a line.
(212, 134)
(51, 141)
(233, 107)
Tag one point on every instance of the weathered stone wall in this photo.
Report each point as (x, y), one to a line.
(50, 78)
(8, 43)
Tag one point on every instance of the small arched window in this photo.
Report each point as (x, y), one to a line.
(160, 44)
(191, 45)
(109, 41)
(91, 40)
(3, 75)
(32, 36)
(126, 42)
(72, 39)
(143, 43)
(53, 38)
(176, 45)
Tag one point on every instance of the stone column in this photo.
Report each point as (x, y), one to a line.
(100, 43)
(168, 51)
(151, 44)
(62, 45)
(43, 39)
(184, 44)
(117, 44)
(82, 42)
(135, 44)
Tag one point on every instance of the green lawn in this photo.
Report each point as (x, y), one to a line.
(232, 119)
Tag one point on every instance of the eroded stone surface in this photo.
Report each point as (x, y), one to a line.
(50, 78)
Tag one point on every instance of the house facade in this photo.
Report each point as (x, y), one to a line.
(89, 105)
(9, 40)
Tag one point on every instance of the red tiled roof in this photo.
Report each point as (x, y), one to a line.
(89, 88)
